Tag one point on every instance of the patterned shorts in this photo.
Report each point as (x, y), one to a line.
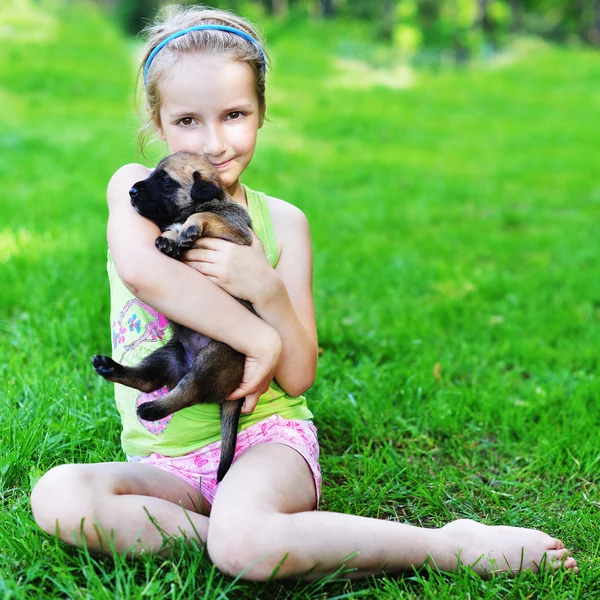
(199, 468)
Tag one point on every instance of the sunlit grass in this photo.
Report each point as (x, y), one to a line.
(457, 287)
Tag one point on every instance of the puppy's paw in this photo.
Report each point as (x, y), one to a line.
(152, 411)
(106, 366)
(188, 236)
(168, 246)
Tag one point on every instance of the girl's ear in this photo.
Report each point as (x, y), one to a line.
(157, 125)
(159, 131)
(261, 118)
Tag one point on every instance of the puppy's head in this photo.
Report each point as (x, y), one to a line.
(176, 189)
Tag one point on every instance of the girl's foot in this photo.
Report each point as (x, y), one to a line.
(493, 550)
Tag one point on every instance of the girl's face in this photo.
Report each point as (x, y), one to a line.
(209, 106)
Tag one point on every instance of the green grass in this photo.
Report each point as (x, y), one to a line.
(454, 222)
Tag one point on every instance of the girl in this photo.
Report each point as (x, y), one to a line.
(204, 78)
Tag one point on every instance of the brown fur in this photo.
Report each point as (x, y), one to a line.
(186, 199)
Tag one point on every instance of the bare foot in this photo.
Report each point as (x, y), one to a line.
(492, 550)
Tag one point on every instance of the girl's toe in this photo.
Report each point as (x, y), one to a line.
(571, 564)
(556, 558)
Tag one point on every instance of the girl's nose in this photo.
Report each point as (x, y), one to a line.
(214, 144)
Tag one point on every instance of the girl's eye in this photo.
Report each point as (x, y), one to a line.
(186, 121)
(235, 115)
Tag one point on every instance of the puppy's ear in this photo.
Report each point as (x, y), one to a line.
(204, 190)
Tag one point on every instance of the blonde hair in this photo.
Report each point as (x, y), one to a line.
(173, 18)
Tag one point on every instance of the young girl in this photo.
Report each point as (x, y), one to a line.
(204, 78)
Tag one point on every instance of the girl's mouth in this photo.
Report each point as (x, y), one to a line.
(223, 164)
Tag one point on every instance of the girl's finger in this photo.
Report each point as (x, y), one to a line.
(237, 394)
(199, 255)
(251, 398)
(250, 403)
(214, 244)
(256, 243)
(208, 269)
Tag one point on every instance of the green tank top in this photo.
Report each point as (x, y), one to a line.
(137, 330)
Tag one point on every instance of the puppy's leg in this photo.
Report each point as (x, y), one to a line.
(217, 371)
(165, 366)
(209, 224)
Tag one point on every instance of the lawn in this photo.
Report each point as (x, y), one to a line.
(457, 287)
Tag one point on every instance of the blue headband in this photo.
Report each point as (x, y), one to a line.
(201, 28)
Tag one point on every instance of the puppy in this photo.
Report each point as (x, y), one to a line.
(187, 201)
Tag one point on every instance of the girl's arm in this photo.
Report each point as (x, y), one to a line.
(181, 293)
(282, 296)
(287, 303)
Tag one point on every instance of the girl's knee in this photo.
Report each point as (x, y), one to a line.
(62, 495)
(245, 546)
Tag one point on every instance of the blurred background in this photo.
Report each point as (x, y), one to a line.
(454, 29)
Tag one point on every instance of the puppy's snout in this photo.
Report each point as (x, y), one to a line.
(137, 197)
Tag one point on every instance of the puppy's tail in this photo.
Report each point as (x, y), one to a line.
(230, 416)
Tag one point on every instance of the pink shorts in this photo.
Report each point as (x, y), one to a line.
(199, 468)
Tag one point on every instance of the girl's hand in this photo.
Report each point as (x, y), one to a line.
(239, 270)
(259, 369)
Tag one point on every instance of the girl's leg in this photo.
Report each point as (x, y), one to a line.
(263, 512)
(109, 504)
